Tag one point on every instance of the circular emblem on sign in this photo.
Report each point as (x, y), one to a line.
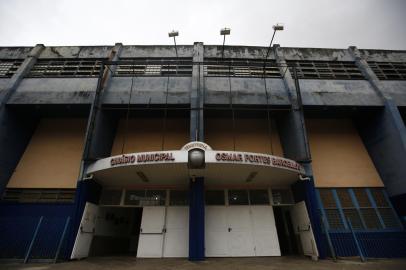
(193, 145)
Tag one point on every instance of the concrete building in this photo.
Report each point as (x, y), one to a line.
(131, 150)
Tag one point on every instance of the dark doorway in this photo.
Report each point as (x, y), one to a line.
(117, 231)
(284, 227)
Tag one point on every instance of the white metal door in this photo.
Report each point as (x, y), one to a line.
(152, 231)
(264, 231)
(302, 226)
(239, 232)
(176, 242)
(216, 231)
(86, 232)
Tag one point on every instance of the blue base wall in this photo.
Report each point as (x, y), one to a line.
(17, 225)
(373, 244)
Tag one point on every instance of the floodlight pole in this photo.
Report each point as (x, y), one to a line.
(224, 32)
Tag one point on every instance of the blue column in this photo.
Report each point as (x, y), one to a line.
(196, 219)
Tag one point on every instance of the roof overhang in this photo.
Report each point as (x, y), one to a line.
(161, 168)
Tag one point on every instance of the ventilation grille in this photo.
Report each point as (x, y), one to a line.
(389, 70)
(154, 67)
(66, 68)
(9, 67)
(325, 70)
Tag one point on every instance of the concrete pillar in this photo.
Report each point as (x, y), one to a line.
(384, 135)
(16, 128)
(99, 136)
(292, 132)
(196, 204)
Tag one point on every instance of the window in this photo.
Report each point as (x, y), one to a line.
(9, 66)
(66, 68)
(214, 197)
(282, 196)
(218, 67)
(179, 197)
(237, 197)
(145, 197)
(350, 212)
(259, 196)
(325, 70)
(110, 197)
(389, 70)
(39, 195)
(366, 208)
(331, 209)
(134, 197)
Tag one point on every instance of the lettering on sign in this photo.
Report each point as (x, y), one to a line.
(256, 159)
(142, 158)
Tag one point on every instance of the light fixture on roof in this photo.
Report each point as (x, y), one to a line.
(173, 34)
(276, 27)
(224, 32)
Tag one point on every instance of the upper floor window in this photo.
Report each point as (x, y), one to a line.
(389, 70)
(9, 66)
(66, 68)
(129, 67)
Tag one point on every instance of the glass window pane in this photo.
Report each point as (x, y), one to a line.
(134, 197)
(345, 198)
(154, 197)
(179, 197)
(238, 197)
(282, 196)
(353, 216)
(362, 197)
(379, 197)
(334, 219)
(371, 218)
(215, 197)
(110, 197)
(389, 217)
(327, 198)
(259, 196)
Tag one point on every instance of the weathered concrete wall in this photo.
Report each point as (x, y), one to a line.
(54, 91)
(156, 51)
(148, 90)
(316, 54)
(248, 91)
(76, 52)
(383, 55)
(3, 86)
(338, 92)
(249, 52)
(396, 90)
(14, 52)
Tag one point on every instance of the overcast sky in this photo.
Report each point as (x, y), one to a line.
(378, 24)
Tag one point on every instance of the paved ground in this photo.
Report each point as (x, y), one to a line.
(289, 263)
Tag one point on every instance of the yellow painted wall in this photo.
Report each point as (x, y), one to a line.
(145, 134)
(339, 155)
(52, 158)
(251, 135)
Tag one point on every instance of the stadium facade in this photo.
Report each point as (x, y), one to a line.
(136, 150)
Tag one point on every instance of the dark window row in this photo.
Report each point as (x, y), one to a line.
(66, 68)
(389, 70)
(248, 197)
(325, 70)
(9, 66)
(154, 67)
(23, 195)
(363, 208)
(217, 67)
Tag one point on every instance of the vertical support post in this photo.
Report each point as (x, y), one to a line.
(196, 219)
(357, 244)
(384, 136)
(61, 239)
(27, 255)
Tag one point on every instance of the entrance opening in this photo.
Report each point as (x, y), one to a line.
(287, 238)
(116, 232)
